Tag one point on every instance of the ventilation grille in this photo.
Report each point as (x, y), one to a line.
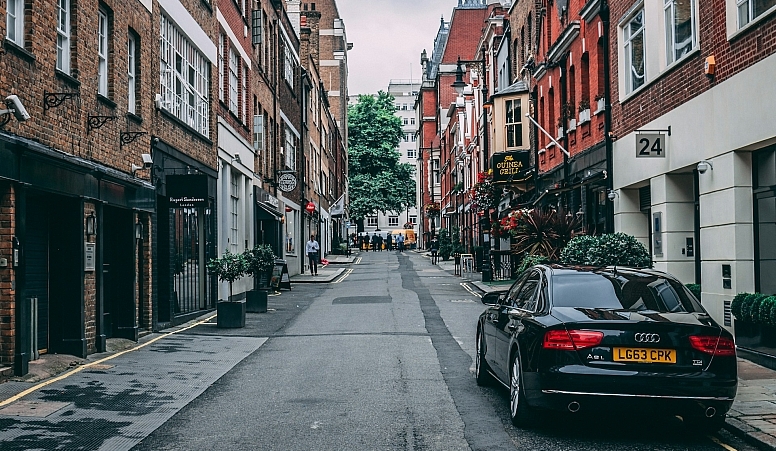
(727, 315)
(645, 198)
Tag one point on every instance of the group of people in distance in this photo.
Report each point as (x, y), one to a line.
(377, 243)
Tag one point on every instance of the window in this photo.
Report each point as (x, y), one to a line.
(244, 112)
(290, 149)
(406, 137)
(413, 138)
(234, 62)
(290, 221)
(435, 170)
(413, 220)
(221, 63)
(258, 132)
(412, 121)
(288, 64)
(748, 10)
(102, 51)
(131, 73)
(634, 52)
(184, 78)
(63, 35)
(14, 22)
(680, 28)
(406, 121)
(411, 153)
(371, 221)
(234, 209)
(514, 123)
(393, 221)
(404, 107)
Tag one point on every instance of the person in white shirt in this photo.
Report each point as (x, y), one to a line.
(312, 248)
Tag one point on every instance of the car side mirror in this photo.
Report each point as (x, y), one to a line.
(493, 298)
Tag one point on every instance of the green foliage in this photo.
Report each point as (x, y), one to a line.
(228, 268)
(455, 241)
(445, 245)
(751, 306)
(542, 233)
(260, 260)
(604, 250)
(738, 302)
(530, 260)
(377, 181)
(695, 289)
(765, 311)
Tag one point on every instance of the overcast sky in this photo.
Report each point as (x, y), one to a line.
(388, 36)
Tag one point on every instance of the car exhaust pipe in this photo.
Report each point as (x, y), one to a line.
(710, 412)
(573, 407)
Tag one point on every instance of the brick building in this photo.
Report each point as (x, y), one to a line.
(693, 156)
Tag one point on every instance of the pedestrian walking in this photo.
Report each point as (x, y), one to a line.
(312, 248)
(380, 243)
(389, 242)
(434, 251)
(364, 240)
(374, 242)
(400, 242)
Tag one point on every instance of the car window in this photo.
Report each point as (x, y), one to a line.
(526, 295)
(622, 291)
(536, 302)
(515, 289)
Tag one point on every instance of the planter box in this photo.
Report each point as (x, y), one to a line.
(756, 337)
(231, 314)
(572, 124)
(584, 116)
(601, 105)
(256, 300)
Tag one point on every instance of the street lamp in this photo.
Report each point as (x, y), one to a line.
(459, 84)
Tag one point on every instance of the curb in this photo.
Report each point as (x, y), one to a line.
(749, 434)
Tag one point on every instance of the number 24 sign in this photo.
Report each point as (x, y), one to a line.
(651, 145)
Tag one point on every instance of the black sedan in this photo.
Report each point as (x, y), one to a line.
(580, 339)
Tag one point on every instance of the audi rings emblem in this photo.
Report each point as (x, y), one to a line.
(647, 338)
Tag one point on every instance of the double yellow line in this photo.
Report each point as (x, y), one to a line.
(37, 387)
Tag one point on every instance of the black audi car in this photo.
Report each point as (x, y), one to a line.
(581, 339)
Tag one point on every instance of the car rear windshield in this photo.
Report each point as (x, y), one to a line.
(626, 291)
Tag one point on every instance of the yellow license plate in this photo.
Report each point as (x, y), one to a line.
(644, 355)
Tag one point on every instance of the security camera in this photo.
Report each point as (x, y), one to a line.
(611, 195)
(15, 106)
(147, 161)
(704, 166)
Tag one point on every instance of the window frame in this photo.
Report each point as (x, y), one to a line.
(628, 38)
(515, 126)
(234, 81)
(234, 211)
(371, 221)
(751, 17)
(393, 221)
(63, 35)
(102, 52)
(669, 15)
(18, 22)
(132, 48)
(290, 148)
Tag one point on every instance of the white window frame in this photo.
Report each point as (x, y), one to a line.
(413, 220)
(669, 13)
(102, 52)
(412, 153)
(244, 112)
(131, 74)
(258, 133)
(184, 78)
(393, 221)
(288, 63)
(371, 221)
(290, 149)
(63, 35)
(234, 212)
(234, 81)
(748, 7)
(14, 22)
(221, 67)
(514, 127)
(628, 39)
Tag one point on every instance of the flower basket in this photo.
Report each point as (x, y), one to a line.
(431, 208)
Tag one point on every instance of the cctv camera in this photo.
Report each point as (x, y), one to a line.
(16, 107)
(611, 195)
(147, 161)
(704, 166)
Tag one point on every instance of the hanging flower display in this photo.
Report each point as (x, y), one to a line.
(431, 208)
(511, 221)
(483, 193)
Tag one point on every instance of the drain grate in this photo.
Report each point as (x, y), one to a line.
(362, 300)
(38, 409)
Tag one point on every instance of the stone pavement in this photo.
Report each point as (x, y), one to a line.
(753, 415)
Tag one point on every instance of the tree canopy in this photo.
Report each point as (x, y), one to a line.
(378, 182)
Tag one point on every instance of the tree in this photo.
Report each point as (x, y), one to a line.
(377, 181)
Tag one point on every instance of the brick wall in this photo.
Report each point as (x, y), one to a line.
(7, 276)
(90, 289)
(237, 22)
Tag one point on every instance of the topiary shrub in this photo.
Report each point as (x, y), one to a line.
(737, 304)
(751, 307)
(766, 308)
(530, 260)
(695, 289)
(611, 249)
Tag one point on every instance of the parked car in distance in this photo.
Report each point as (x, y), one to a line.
(583, 339)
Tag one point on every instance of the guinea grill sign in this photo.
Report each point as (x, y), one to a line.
(508, 166)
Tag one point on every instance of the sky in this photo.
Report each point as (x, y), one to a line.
(388, 37)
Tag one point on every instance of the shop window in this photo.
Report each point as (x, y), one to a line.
(290, 222)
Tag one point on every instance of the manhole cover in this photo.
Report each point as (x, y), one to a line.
(363, 300)
(39, 409)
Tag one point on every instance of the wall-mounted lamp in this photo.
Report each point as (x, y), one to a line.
(459, 84)
(611, 194)
(704, 166)
(91, 224)
(139, 230)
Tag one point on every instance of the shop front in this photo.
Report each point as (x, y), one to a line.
(268, 223)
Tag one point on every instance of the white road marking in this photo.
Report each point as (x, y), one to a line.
(466, 287)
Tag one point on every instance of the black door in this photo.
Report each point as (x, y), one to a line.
(36, 275)
(118, 274)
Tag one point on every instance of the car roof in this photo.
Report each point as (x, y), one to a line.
(558, 270)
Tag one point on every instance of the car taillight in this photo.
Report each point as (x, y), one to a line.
(572, 339)
(718, 346)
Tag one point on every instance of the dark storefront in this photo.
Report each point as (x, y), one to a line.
(267, 223)
(185, 235)
(74, 232)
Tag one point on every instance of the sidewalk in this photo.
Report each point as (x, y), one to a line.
(753, 415)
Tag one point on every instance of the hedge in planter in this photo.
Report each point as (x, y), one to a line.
(605, 250)
(530, 260)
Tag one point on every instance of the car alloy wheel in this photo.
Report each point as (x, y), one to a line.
(519, 410)
(480, 365)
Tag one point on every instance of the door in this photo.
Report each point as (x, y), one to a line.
(36, 276)
(118, 274)
(510, 319)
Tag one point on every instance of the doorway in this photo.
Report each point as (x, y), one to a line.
(118, 274)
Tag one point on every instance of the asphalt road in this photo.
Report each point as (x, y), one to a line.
(382, 360)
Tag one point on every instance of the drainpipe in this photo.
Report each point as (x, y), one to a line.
(604, 15)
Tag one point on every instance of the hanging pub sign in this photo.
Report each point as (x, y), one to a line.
(187, 191)
(510, 166)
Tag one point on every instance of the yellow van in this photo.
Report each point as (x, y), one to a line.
(409, 236)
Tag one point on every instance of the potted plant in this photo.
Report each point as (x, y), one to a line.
(229, 268)
(260, 260)
(584, 111)
(601, 103)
